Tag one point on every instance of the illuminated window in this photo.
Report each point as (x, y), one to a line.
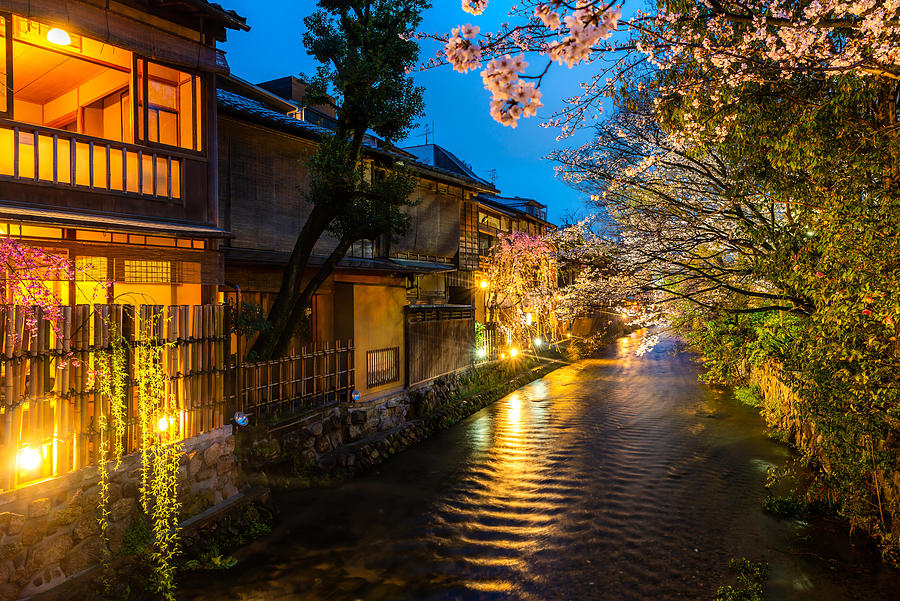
(90, 269)
(90, 280)
(81, 86)
(171, 114)
(5, 95)
(33, 231)
(148, 272)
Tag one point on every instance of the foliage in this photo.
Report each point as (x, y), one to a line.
(247, 320)
(749, 395)
(111, 377)
(161, 450)
(750, 576)
(365, 54)
(159, 427)
(522, 281)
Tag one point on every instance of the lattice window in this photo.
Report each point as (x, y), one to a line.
(148, 272)
(383, 366)
(91, 269)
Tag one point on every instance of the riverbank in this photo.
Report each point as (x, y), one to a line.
(620, 478)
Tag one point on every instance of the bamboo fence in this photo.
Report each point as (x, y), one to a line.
(49, 402)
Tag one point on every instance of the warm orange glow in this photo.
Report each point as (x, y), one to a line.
(29, 459)
(163, 424)
(59, 37)
(513, 352)
(568, 335)
(483, 284)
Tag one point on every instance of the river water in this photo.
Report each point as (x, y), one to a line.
(614, 478)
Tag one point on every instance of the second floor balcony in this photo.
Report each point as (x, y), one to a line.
(88, 115)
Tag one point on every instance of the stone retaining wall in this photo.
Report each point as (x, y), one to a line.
(779, 411)
(49, 531)
(350, 437)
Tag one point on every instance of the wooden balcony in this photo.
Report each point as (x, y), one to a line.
(30, 153)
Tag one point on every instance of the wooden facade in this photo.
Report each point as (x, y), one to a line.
(107, 132)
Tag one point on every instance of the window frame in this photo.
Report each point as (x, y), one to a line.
(141, 106)
(8, 41)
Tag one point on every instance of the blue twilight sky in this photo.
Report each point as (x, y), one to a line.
(457, 104)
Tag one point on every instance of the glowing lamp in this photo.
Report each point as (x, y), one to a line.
(59, 37)
(568, 335)
(481, 352)
(503, 355)
(163, 424)
(483, 283)
(538, 341)
(528, 318)
(29, 459)
(513, 352)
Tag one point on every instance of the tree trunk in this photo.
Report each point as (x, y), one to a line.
(279, 315)
(297, 315)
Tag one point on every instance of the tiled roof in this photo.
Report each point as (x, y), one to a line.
(254, 110)
(228, 17)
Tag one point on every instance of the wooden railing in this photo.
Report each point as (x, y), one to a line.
(382, 366)
(439, 339)
(32, 153)
(317, 375)
(49, 402)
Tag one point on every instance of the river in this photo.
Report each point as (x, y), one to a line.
(614, 478)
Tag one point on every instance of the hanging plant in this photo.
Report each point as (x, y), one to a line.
(161, 450)
(158, 434)
(111, 376)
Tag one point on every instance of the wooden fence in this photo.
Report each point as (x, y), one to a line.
(439, 339)
(317, 375)
(49, 405)
(492, 344)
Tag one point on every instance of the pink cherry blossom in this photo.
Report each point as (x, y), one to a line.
(474, 7)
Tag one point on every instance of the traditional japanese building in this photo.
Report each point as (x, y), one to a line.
(484, 217)
(263, 140)
(108, 142)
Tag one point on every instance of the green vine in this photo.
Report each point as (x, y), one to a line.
(161, 451)
(111, 376)
(159, 437)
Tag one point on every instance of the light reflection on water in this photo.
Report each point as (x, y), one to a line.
(614, 478)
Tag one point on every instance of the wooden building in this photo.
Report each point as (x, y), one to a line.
(107, 142)
(263, 139)
(484, 217)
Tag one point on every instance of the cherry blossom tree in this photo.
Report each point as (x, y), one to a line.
(716, 46)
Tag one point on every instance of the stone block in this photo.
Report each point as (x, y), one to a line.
(35, 529)
(194, 463)
(131, 488)
(229, 490)
(225, 465)
(202, 476)
(212, 454)
(314, 429)
(9, 592)
(323, 445)
(7, 570)
(85, 554)
(122, 509)
(86, 527)
(4, 522)
(39, 507)
(48, 551)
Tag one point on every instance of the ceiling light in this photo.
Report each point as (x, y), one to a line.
(59, 37)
